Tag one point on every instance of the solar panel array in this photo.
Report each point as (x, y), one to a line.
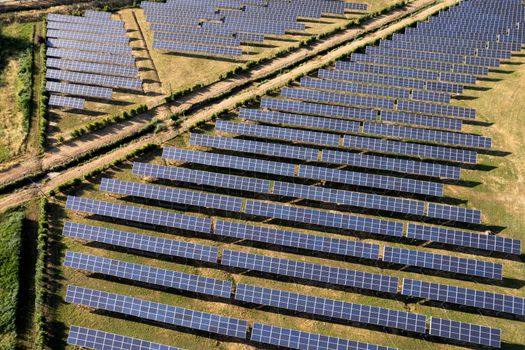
(65, 101)
(93, 51)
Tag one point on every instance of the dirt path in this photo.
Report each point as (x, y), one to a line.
(66, 151)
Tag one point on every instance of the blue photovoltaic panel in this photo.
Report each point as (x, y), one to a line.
(443, 262)
(137, 214)
(222, 41)
(97, 14)
(187, 47)
(294, 339)
(89, 46)
(148, 274)
(331, 97)
(300, 120)
(464, 238)
(436, 136)
(259, 28)
(436, 39)
(407, 45)
(90, 56)
(75, 27)
(202, 177)
(80, 90)
(65, 101)
(324, 218)
(332, 85)
(223, 161)
(257, 147)
(430, 96)
(331, 308)
(463, 296)
(370, 78)
(466, 332)
(437, 109)
(90, 67)
(370, 180)
(172, 195)
(421, 120)
(169, 28)
(391, 164)
(238, 21)
(95, 79)
(137, 241)
(440, 211)
(64, 34)
(314, 272)
(278, 133)
(370, 68)
(397, 147)
(157, 312)
(297, 240)
(95, 21)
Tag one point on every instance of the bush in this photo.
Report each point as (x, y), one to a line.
(40, 272)
(24, 91)
(43, 122)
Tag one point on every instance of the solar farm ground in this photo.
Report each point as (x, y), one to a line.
(497, 99)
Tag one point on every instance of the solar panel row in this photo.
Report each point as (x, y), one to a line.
(65, 101)
(90, 67)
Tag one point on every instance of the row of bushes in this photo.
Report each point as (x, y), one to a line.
(40, 276)
(175, 95)
(100, 124)
(43, 121)
(10, 237)
(24, 87)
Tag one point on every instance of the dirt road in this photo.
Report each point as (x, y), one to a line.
(64, 152)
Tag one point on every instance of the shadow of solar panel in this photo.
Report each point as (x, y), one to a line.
(90, 56)
(324, 218)
(95, 339)
(437, 109)
(391, 164)
(294, 339)
(208, 49)
(172, 195)
(95, 21)
(354, 88)
(248, 146)
(331, 308)
(318, 109)
(288, 238)
(437, 136)
(63, 34)
(157, 312)
(344, 99)
(137, 241)
(222, 41)
(313, 272)
(369, 78)
(65, 101)
(278, 133)
(89, 46)
(148, 274)
(233, 162)
(300, 120)
(412, 149)
(80, 90)
(92, 67)
(448, 212)
(463, 296)
(202, 177)
(464, 238)
(441, 262)
(137, 214)
(466, 332)
(95, 79)
(369, 180)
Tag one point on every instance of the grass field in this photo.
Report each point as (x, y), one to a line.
(498, 196)
(14, 40)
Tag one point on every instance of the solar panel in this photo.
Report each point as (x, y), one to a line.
(288, 238)
(97, 14)
(89, 46)
(343, 99)
(407, 45)
(95, 79)
(354, 88)
(466, 332)
(141, 242)
(63, 34)
(258, 28)
(437, 109)
(313, 272)
(137, 214)
(90, 56)
(222, 41)
(65, 101)
(258, 21)
(95, 339)
(441, 262)
(421, 120)
(148, 274)
(157, 312)
(172, 195)
(175, 19)
(208, 49)
(172, 28)
(294, 339)
(250, 37)
(92, 67)
(80, 90)
(436, 39)
(440, 211)
(385, 70)
(430, 96)
(55, 17)
(331, 308)
(464, 238)
(464, 296)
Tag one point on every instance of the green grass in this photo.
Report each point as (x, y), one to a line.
(10, 235)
